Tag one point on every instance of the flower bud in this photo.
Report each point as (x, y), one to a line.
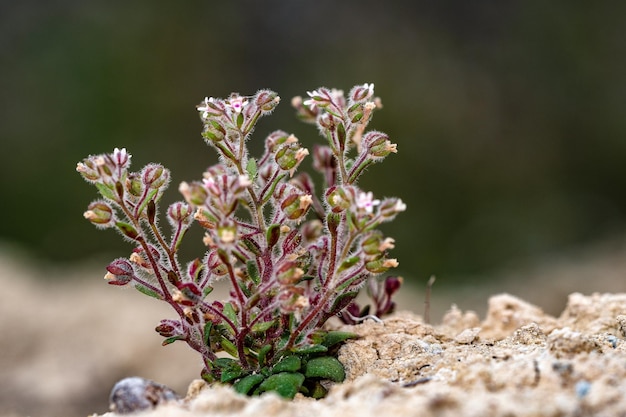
(214, 131)
(120, 272)
(390, 207)
(154, 175)
(179, 212)
(378, 145)
(295, 205)
(169, 328)
(292, 300)
(88, 170)
(338, 199)
(120, 158)
(133, 185)
(289, 156)
(194, 193)
(100, 214)
(266, 100)
(275, 139)
(289, 273)
(371, 244)
(139, 257)
(227, 232)
(215, 264)
(361, 93)
(312, 230)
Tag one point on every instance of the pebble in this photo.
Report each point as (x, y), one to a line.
(135, 394)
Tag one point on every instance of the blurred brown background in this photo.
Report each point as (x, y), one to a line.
(509, 120)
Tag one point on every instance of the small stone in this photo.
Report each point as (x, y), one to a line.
(135, 394)
(467, 336)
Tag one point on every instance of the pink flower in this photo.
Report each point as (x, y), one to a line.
(365, 201)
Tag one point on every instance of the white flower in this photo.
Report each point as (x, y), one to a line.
(365, 201)
(121, 157)
(400, 206)
(310, 103)
(244, 181)
(369, 88)
(205, 109)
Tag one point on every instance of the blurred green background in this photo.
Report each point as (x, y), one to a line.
(509, 116)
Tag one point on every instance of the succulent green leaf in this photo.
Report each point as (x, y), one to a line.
(285, 384)
(248, 383)
(310, 349)
(263, 354)
(325, 367)
(224, 363)
(287, 364)
(334, 337)
(231, 373)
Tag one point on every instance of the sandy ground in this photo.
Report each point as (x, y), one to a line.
(68, 337)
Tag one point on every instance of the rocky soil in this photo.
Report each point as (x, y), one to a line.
(517, 362)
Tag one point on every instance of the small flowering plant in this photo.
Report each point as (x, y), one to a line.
(292, 259)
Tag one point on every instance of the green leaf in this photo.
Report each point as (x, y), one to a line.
(247, 383)
(253, 272)
(229, 311)
(224, 363)
(231, 373)
(272, 235)
(263, 354)
(251, 168)
(106, 192)
(263, 326)
(149, 292)
(147, 199)
(310, 349)
(228, 346)
(341, 133)
(172, 339)
(325, 367)
(285, 384)
(206, 291)
(287, 364)
(252, 246)
(206, 336)
(127, 230)
(333, 337)
(347, 263)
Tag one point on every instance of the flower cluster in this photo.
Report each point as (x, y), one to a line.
(293, 259)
